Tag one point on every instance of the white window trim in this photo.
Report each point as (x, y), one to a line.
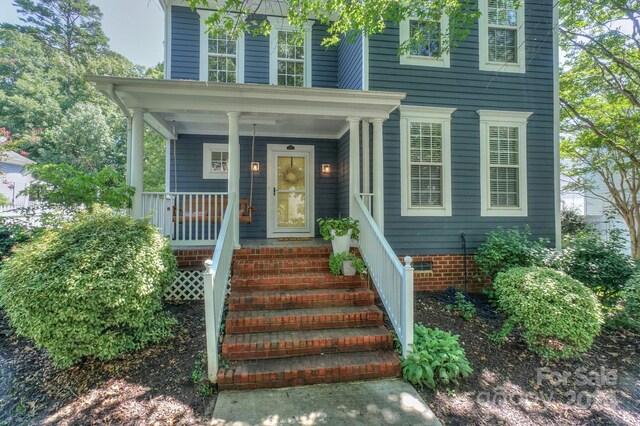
(409, 114)
(444, 61)
(282, 24)
(204, 51)
(483, 22)
(207, 149)
(503, 118)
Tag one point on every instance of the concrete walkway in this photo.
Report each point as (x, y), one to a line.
(384, 402)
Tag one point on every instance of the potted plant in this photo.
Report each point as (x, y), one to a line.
(347, 264)
(340, 232)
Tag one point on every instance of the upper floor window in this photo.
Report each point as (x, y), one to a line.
(502, 36)
(425, 140)
(221, 56)
(425, 42)
(503, 163)
(289, 55)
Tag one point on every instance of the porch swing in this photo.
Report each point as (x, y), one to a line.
(200, 211)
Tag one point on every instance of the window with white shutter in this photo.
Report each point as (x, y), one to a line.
(425, 136)
(503, 163)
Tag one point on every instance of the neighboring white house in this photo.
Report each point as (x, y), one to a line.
(13, 177)
(597, 212)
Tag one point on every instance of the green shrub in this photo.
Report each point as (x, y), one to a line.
(597, 263)
(572, 222)
(506, 249)
(463, 306)
(437, 358)
(559, 316)
(629, 316)
(12, 233)
(336, 259)
(92, 287)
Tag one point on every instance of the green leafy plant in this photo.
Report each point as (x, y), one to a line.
(336, 260)
(559, 316)
(598, 263)
(199, 376)
(465, 308)
(629, 315)
(92, 287)
(340, 226)
(63, 185)
(510, 248)
(437, 358)
(12, 233)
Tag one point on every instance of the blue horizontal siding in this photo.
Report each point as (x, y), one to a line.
(187, 165)
(350, 56)
(465, 87)
(185, 44)
(324, 68)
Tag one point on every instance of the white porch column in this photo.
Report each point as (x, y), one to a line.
(366, 171)
(233, 184)
(378, 174)
(137, 160)
(129, 136)
(354, 161)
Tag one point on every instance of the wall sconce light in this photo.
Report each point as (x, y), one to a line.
(326, 169)
(255, 166)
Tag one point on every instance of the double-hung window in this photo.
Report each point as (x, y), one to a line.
(503, 163)
(425, 141)
(289, 54)
(221, 56)
(425, 42)
(502, 35)
(215, 164)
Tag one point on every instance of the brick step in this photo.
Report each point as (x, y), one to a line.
(309, 370)
(258, 253)
(280, 344)
(303, 319)
(298, 299)
(295, 281)
(280, 266)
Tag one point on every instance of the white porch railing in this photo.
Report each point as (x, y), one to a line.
(393, 281)
(216, 280)
(367, 199)
(187, 218)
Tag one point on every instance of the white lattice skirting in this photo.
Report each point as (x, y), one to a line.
(189, 285)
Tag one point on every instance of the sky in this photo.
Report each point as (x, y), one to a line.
(135, 27)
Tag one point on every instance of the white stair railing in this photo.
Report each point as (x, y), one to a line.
(393, 280)
(216, 280)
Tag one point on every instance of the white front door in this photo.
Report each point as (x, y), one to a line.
(290, 196)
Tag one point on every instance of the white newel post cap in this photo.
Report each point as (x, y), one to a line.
(408, 261)
(208, 264)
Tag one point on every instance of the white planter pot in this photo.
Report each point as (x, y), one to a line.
(340, 244)
(348, 268)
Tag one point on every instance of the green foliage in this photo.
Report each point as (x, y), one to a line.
(559, 316)
(506, 249)
(465, 308)
(572, 223)
(92, 287)
(63, 185)
(12, 233)
(199, 376)
(340, 226)
(343, 18)
(336, 260)
(629, 316)
(437, 358)
(4, 201)
(597, 263)
(155, 149)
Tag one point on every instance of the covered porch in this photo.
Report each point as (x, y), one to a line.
(332, 136)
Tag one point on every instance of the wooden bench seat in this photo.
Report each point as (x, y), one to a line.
(203, 210)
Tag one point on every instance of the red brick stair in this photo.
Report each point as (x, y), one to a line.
(291, 322)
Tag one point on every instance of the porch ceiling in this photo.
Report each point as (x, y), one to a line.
(194, 107)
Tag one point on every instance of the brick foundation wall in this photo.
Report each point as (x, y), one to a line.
(193, 258)
(448, 270)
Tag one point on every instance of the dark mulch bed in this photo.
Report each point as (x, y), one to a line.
(152, 386)
(504, 387)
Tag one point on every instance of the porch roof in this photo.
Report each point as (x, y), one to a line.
(174, 107)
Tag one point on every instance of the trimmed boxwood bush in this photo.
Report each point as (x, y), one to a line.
(559, 316)
(92, 287)
(629, 317)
